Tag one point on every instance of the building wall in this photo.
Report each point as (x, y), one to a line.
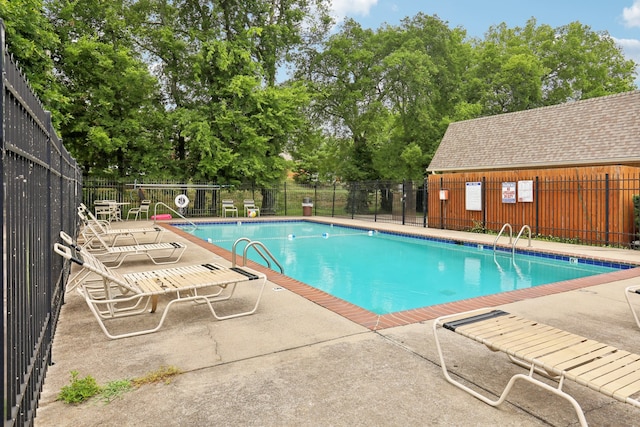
(589, 205)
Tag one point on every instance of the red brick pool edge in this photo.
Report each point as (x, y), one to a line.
(374, 321)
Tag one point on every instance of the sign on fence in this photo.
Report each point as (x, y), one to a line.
(525, 191)
(473, 196)
(508, 192)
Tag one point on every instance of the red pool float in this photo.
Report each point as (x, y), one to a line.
(161, 216)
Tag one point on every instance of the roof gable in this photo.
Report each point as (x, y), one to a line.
(604, 130)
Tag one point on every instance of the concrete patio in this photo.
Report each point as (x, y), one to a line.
(295, 363)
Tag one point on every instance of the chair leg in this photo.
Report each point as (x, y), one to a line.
(635, 290)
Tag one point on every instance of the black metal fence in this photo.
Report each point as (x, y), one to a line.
(589, 208)
(42, 186)
(398, 202)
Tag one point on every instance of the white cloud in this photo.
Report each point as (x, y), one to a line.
(630, 47)
(631, 15)
(342, 8)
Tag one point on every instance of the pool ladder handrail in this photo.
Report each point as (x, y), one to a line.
(155, 213)
(524, 227)
(255, 245)
(506, 225)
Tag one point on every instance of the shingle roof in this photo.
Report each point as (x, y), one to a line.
(596, 131)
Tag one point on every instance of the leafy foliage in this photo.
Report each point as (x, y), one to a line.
(534, 66)
(31, 38)
(115, 389)
(177, 89)
(80, 389)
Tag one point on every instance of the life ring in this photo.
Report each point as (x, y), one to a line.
(161, 216)
(182, 200)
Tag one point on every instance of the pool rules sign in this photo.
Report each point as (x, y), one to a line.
(508, 192)
(473, 196)
(524, 192)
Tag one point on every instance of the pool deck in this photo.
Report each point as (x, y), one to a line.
(306, 358)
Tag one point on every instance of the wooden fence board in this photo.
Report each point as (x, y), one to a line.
(592, 205)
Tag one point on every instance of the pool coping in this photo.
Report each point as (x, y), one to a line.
(375, 321)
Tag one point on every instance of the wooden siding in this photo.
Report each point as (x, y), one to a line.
(589, 205)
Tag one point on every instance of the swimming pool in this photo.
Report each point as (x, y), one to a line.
(384, 272)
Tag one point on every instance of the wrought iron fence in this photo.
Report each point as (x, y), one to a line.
(590, 208)
(42, 187)
(398, 202)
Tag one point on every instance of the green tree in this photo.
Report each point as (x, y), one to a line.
(218, 64)
(345, 80)
(31, 39)
(423, 74)
(534, 66)
(115, 125)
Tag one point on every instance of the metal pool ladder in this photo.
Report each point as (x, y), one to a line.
(506, 225)
(259, 248)
(524, 227)
(513, 245)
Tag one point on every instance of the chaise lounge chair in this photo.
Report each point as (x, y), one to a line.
(114, 256)
(112, 235)
(116, 295)
(633, 291)
(546, 351)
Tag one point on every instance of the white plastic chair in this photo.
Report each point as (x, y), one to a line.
(229, 207)
(142, 209)
(250, 206)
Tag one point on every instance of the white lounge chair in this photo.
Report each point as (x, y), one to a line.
(548, 351)
(229, 208)
(114, 256)
(113, 235)
(115, 296)
(250, 206)
(118, 251)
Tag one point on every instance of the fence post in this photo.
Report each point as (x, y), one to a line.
(606, 208)
(333, 203)
(424, 202)
(315, 197)
(441, 206)
(285, 198)
(353, 200)
(7, 360)
(375, 207)
(404, 201)
(484, 203)
(537, 198)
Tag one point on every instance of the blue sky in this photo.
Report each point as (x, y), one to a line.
(620, 18)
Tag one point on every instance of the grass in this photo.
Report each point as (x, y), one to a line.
(164, 374)
(82, 389)
(115, 389)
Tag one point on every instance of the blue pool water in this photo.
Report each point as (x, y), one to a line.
(385, 273)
